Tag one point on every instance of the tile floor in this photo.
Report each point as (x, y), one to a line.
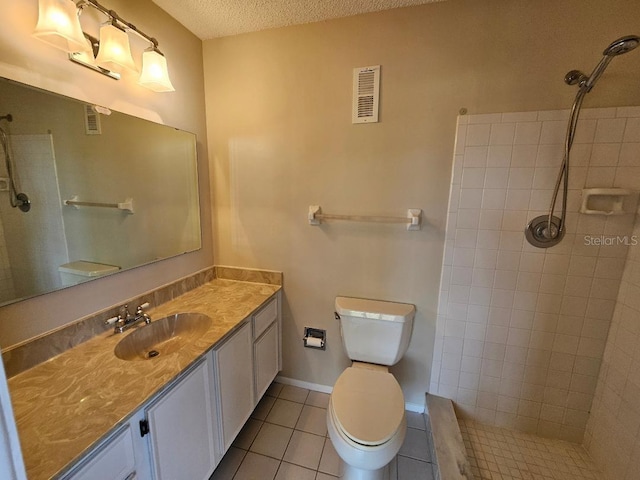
(286, 439)
(500, 454)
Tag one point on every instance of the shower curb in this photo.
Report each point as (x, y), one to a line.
(447, 440)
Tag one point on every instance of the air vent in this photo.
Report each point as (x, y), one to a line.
(366, 94)
(91, 121)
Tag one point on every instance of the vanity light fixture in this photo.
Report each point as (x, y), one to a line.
(59, 25)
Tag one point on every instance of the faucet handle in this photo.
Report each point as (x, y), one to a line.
(142, 307)
(140, 313)
(112, 320)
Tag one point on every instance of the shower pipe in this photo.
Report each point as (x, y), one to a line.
(547, 230)
(19, 200)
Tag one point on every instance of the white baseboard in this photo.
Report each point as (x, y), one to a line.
(414, 407)
(308, 385)
(411, 407)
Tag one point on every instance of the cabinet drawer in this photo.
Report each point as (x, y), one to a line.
(113, 461)
(264, 318)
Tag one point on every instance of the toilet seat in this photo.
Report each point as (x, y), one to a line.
(367, 405)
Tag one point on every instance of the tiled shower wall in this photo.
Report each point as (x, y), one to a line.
(613, 431)
(521, 330)
(7, 291)
(6, 279)
(35, 241)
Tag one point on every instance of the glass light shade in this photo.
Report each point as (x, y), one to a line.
(114, 53)
(154, 72)
(59, 25)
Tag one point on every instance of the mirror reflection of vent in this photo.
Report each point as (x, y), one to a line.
(91, 121)
(366, 94)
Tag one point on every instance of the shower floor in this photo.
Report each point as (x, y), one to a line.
(500, 454)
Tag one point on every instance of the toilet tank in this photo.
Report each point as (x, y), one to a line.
(375, 331)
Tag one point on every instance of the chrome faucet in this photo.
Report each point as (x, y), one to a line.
(125, 319)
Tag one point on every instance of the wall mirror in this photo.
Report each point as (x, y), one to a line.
(106, 191)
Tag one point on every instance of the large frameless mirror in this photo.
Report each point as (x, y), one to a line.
(86, 192)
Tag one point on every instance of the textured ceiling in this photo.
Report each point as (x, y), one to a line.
(220, 18)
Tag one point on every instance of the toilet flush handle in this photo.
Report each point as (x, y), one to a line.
(337, 315)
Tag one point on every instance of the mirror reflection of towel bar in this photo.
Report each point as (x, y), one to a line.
(413, 220)
(127, 205)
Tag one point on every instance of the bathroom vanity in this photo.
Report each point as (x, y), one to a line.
(87, 414)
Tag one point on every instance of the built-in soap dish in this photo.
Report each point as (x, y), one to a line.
(608, 201)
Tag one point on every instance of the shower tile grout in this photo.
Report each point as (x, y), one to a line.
(499, 453)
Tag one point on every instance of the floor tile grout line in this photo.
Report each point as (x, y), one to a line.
(288, 442)
(317, 470)
(237, 469)
(325, 437)
(324, 446)
(256, 436)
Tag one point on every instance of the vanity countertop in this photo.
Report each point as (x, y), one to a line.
(64, 406)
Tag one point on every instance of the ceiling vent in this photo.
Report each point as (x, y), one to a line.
(366, 94)
(91, 121)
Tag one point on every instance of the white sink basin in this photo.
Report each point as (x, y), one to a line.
(162, 337)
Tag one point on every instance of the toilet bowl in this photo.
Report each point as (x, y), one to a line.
(365, 418)
(366, 421)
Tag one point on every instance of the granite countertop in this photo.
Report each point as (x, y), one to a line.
(64, 406)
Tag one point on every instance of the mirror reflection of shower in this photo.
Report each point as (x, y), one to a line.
(19, 200)
(546, 231)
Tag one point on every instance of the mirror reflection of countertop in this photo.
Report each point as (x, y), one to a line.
(67, 404)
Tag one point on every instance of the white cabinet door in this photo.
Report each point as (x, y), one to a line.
(114, 460)
(181, 428)
(234, 369)
(11, 463)
(265, 358)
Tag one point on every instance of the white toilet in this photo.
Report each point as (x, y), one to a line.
(365, 417)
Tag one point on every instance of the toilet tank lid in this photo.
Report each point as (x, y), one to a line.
(87, 269)
(375, 309)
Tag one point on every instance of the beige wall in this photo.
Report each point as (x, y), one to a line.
(278, 116)
(31, 61)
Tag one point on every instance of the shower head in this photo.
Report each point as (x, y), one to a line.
(622, 45)
(618, 47)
